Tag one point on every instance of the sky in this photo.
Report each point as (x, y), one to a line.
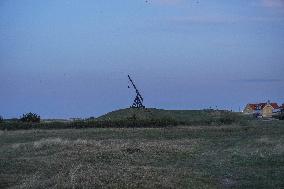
(71, 58)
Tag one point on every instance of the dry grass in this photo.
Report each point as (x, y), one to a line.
(182, 157)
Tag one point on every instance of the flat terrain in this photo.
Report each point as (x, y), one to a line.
(174, 157)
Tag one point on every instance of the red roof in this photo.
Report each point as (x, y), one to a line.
(260, 106)
(253, 106)
(274, 105)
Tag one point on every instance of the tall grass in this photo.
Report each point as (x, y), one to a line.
(168, 120)
(89, 124)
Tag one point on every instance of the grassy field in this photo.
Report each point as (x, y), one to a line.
(173, 157)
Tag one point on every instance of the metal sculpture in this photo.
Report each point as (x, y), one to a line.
(138, 101)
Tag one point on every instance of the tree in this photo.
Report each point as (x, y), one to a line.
(31, 118)
(1, 119)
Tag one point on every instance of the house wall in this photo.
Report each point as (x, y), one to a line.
(267, 111)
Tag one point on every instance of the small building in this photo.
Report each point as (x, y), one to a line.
(261, 109)
(268, 109)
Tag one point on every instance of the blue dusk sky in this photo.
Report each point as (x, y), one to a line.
(70, 58)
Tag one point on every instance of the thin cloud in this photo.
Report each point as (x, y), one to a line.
(273, 3)
(200, 19)
(222, 19)
(259, 80)
(166, 2)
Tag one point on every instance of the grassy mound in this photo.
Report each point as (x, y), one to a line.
(187, 117)
(139, 118)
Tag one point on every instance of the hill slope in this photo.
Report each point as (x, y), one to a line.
(182, 116)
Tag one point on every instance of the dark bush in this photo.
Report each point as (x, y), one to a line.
(1, 119)
(279, 116)
(30, 118)
(91, 118)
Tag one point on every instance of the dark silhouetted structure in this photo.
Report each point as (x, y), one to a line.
(138, 101)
